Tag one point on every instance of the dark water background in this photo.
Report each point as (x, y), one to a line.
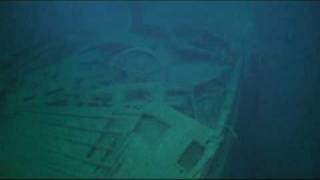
(279, 115)
(278, 120)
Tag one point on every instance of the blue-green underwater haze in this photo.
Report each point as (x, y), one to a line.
(214, 89)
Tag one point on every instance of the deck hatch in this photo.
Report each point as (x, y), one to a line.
(191, 155)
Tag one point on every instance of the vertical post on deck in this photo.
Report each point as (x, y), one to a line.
(136, 12)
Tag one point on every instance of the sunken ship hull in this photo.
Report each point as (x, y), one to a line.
(128, 106)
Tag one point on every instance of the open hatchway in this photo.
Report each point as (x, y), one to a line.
(122, 108)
